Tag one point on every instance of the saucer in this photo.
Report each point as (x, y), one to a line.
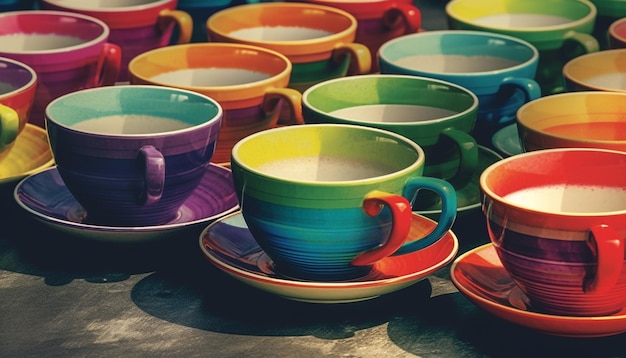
(506, 141)
(228, 244)
(468, 197)
(479, 275)
(44, 196)
(30, 154)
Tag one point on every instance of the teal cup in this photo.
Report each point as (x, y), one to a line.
(326, 201)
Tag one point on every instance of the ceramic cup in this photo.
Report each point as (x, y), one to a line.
(608, 12)
(559, 29)
(617, 34)
(557, 219)
(318, 40)
(18, 83)
(378, 20)
(495, 67)
(68, 52)
(131, 155)
(249, 82)
(326, 201)
(591, 119)
(599, 71)
(135, 26)
(436, 115)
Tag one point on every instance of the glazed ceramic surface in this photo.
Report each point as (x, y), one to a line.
(506, 141)
(135, 26)
(301, 187)
(480, 276)
(249, 82)
(18, 83)
(617, 34)
(561, 211)
(598, 71)
(559, 29)
(131, 155)
(68, 52)
(437, 115)
(45, 197)
(230, 246)
(318, 40)
(593, 119)
(30, 154)
(378, 21)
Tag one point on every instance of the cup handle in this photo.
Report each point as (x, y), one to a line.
(360, 60)
(409, 14)
(154, 174)
(401, 216)
(291, 97)
(588, 42)
(9, 125)
(608, 247)
(182, 19)
(109, 65)
(468, 150)
(529, 86)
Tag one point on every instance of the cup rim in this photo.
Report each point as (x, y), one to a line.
(488, 192)
(612, 31)
(472, 108)
(291, 47)
(102, 37)
(80, 6)
(568, 74)
(217, 117)
(264, 83)
(571, 24)
(31, 82)
(524, 122)
(404, 171)
(407, 37)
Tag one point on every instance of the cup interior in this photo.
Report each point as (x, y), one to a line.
(457, 52)
(600, 71)
(133, 110)
(105, 4)
(41, 31)
(326, 154)
(14, 77)
(618, 30)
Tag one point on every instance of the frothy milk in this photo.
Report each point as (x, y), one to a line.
(210, 77)
(522, 20)
(279, 33)
(610, 80)
(455, 63)
(570, 198)
(37, 42)
(376, 113)
(130, 124)
(324, 168)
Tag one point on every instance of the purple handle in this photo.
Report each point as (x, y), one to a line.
(154, 174)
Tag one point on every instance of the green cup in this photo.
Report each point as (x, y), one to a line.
(435, 114)
(559, 29)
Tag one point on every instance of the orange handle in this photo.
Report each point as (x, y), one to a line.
(182, 19)
(290, 97)
(608, 247)
(360, 57)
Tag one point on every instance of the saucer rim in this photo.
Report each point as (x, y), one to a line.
(499, 135)
(464, 209)
(56, 222)
(423, 272)
(35, 131)
(559, 323)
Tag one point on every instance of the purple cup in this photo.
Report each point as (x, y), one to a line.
(131, 155)
(68, 51)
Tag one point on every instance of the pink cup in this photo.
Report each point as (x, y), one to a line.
(67, 51)
(136, 26)
(617, 34)
(378, 20)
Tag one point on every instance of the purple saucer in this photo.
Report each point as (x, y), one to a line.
(45, 197)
